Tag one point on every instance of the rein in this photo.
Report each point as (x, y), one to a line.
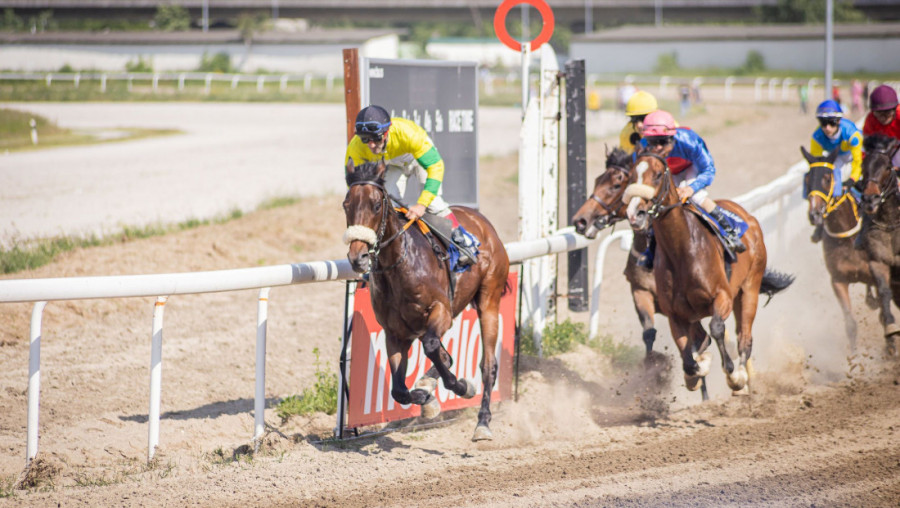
(656, 209)
(610, 211)
(889, 190)
(832, 204)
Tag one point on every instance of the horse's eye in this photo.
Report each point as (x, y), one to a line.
(377, 206)
(617, 186)
(346, 204)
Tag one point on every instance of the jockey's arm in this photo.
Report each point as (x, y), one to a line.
(703, 161)
(434, 169)
(815, 148)
(855, 147)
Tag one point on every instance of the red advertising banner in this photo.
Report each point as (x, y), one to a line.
(370, 400)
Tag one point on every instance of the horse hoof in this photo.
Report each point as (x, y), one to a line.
(470, 389)
(704, 360)
(737, 380)
(743, 391)
(431, 409)
(482, 433)
(426, 383)
(891, 329)
(692, 383)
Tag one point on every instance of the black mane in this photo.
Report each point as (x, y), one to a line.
(365, 172)
(619, 158)
(878, 143)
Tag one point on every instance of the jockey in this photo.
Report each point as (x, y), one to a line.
(884, 117)
(639, 106)
(691, 166)
(838, 133)
(408, 150)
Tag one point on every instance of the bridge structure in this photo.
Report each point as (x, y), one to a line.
(567, 12)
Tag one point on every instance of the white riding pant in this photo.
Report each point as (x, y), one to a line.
(687, 177)
(395, 179)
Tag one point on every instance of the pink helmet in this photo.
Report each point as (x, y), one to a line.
(659, 123)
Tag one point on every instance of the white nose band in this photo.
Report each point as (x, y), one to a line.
(361, 233)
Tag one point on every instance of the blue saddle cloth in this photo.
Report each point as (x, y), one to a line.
(737, 223)
(471, 243)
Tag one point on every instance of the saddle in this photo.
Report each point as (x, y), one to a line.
(443, 229)
(737, 224)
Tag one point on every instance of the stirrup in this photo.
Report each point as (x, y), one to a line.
(737, 245)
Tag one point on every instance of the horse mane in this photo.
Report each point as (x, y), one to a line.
(878, 143)
(619, 158)
(365, 172)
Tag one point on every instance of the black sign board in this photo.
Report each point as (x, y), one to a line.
(442, 97)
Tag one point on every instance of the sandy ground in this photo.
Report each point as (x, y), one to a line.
(820, 427)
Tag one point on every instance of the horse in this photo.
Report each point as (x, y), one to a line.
(692, 281)
(604, 208)
(881, 201)
(841, 222)
(411, 292)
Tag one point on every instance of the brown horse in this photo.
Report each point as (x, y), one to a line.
(692, 281)
(840, 218)
(410, 290)
(604, 208)
(881, 201)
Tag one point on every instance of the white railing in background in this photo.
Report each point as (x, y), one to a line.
(180, 78)
(164, 286)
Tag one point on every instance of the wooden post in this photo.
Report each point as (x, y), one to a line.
(351, 89)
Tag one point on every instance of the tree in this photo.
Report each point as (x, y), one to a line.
(808, 11)
(170, 18)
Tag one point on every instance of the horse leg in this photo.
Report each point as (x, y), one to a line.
(398, 359)
(428, 381)
(882, 274)
(489, 315)
(439, 321)
(645, 308)
(746, 304)
(841, 291)
(692, 374)
(699, 344)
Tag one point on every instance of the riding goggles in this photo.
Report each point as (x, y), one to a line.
(829, 121)
(371, 127)
(368, 138)
(637, 118)
(658, 140)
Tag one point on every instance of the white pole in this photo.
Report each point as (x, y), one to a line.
(155, 376)
(34, 134)
(829, 46)
(181, 81)
(34, 381)
(259, 406)
(626, 236)
(284, 80)
(526, 57)
(729, 81)
(259, 83)
(103, 83)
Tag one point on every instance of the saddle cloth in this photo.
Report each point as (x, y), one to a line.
(736, 223)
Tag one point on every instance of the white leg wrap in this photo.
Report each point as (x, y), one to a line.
(360, 233)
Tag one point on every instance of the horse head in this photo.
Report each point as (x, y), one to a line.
(879, 180)
(651, 192)
(819, 184)
(366, 207)
(604, 207)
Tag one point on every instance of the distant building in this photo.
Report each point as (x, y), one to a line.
(312, 51)
(857, 47)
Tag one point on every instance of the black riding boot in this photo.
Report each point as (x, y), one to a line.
(731, 236)
(645, 259)
(444, 228)
(466, 256)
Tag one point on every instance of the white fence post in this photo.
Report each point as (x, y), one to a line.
(757, 89)
(103, 83)
(729, 81)
(155, 376)
(785, 88)
(260, 82)
(284, 81)
(626, 236)
(181, 81)
(259, 405)
(208, 86)
(773, 82)
(34, 382)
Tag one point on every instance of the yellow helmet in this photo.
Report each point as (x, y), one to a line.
(641, 103)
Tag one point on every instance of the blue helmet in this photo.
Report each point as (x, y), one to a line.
(829, 109)
(372, 121)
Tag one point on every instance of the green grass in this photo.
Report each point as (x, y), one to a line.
(34, 254)
(321, 397)
(15, 133)
(7, 487)
(562, 337)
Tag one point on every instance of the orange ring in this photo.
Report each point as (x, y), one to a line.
(500, 23)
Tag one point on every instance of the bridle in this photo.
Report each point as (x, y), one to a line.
(375, 248)
(610, 211)
(657, 209)
(891, 187)
(832, 204)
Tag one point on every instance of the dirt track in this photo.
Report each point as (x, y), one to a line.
(820, 428)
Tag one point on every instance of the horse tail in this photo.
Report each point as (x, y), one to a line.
(774, 282)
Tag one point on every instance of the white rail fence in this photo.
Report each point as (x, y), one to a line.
(262, 81)
(770, 204)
